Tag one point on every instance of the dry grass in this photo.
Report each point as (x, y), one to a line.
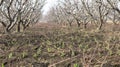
(54, 45)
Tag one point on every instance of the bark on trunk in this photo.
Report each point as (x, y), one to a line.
(70, 24)
(3, 24)
(85, 26)
(100, 26)
(101, 18)
(78, 23)
(18, 27)
(8, 27)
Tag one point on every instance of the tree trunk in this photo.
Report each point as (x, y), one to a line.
(8, 28)
(78, 23)
(70, 24)
(100, 26)
(85, 26)
(24, 27)
(101, 23)
(101, 18)
(18, 27)
(3, 24)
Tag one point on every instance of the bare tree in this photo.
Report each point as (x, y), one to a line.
(58, 15)
(103, 11)
(87, 11)
(71, 13)
(114, 10)
(52, 16)
(68, 18)
(20, 12)
(114, 5)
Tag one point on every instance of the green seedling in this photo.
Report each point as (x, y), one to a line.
(49, 49)
(10, 55)
(63, 45)
(2, 65)
(35, 55)
(24, 54)
(76, 65)
(73, 53)
(62, 54)
(48, 42)
(39, 51)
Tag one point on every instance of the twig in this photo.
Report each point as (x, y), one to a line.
(68, 59)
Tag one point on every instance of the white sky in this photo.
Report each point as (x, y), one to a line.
(52, 3)
(49, 4)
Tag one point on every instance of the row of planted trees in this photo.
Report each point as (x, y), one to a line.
(83, 12)
(19, 14)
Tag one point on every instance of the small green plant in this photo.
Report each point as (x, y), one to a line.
(24, 54)
(62, 54)
(48, 42)
(76, 65)
(39, 51)
(35, 55)
(2, 65)
(63, 45)
(49, 49)
(10, 55)
(72, 53)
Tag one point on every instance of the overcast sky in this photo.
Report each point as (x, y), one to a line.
(49, 4)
